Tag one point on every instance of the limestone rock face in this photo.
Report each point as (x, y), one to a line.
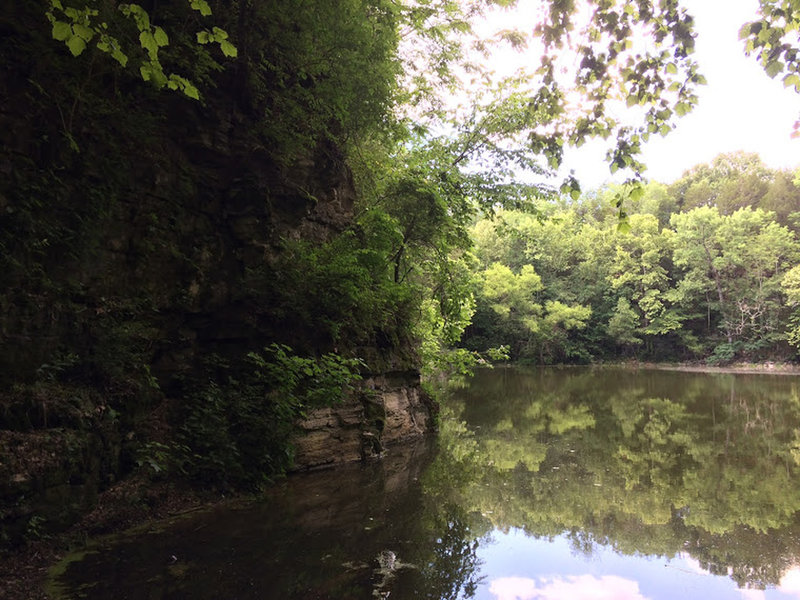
(391, 409)
(407, 411)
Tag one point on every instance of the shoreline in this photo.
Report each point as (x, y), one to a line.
(767, 368)
(25, 570)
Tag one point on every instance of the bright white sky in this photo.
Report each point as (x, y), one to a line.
(740, 108)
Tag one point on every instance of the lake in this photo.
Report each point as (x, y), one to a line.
(542, 484)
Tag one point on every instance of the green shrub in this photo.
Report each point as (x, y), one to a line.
(238, 432)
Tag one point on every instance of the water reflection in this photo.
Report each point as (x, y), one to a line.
(572, 483)
(655, 463)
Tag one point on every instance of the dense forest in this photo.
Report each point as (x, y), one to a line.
(216, 216)
(702, 269)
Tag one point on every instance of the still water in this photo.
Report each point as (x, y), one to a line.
(543, 484)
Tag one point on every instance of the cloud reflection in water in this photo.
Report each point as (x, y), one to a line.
(581, 587)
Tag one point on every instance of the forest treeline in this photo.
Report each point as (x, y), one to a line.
(705, 268)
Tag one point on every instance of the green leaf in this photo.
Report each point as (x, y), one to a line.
(191, 91)
(76, 45)
(160, 37)
(631, 100)
(672, 69)
(139, 15)
(773, 67)
(203, 37)
(148, 42)
(228, 49)
(201, 6)
(682, 108)
(86, 33)
(61, 31)
(158, 77)
(792, 79)
(119, 56)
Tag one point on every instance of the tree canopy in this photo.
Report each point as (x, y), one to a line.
(705, 281)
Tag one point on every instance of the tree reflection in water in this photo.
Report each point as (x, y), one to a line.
(644, 462)
(632, 464)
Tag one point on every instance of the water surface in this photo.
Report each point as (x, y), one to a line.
(542, 484)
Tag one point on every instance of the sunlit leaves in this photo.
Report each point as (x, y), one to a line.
(660, 76)
(792, 80)
(637, 52)
(83, 25)
(61, 31)
(76, 45)
(200, 6)
(773, 40)
(77, 32)
(736, 262)
(219, 36)
(658, 288)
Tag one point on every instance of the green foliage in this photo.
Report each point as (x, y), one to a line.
(305, 382)
(791, 288)
(772, 40)
(35, 530)
(737, 180)
(513, 293)
(96, 22)
(697, 283)
(157, 458)
(593, 59)
(342, 290)
(724, 353)
(237, 431)
(320, 73)
(623, 324)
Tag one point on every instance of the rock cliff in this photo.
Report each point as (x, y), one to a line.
(147, 242)
(391, 408)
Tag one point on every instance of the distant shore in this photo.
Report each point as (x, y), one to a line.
(766, 368)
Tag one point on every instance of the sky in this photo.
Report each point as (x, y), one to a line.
(516, 566)
(740, 108)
